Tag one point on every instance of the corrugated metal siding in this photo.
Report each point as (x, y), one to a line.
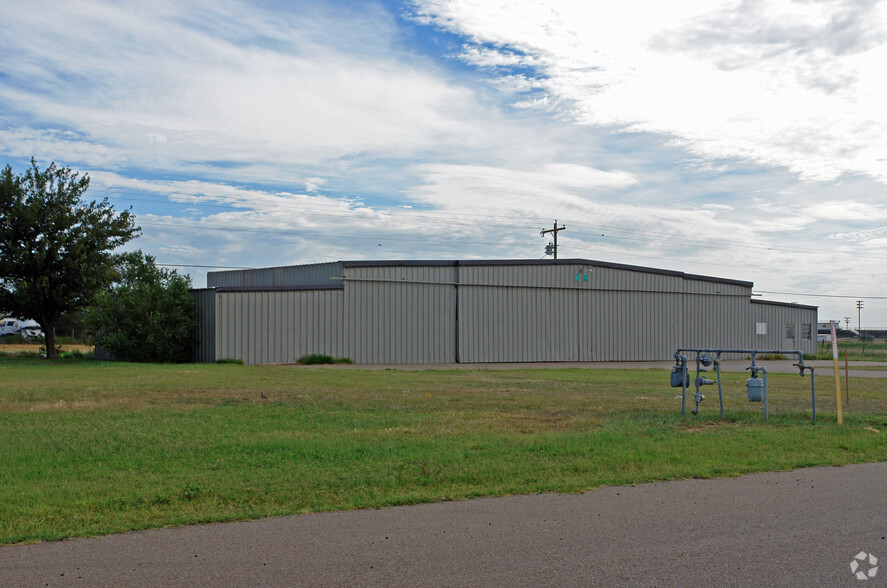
(630, 315)
(776, 317)
(318, 274)
(515, 313)
(715, 316)
(626, 281)
(438, 312)
(509, 324)
(425, 274)
(205, 333)
(711, 287)
(543, 313)
(400, 314)
(528, 276)
(279, 326)
(632, 326)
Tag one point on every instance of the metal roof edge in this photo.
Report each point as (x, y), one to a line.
(789, 304)
(520, 262)
(401, 263)
(272, 267)
(277, 288)
(719, 280)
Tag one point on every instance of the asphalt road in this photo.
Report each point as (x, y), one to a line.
(800, 528)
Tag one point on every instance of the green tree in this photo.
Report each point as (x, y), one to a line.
(56, 251)
(148, 315)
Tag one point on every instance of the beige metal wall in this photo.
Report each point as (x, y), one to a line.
(716, 316)
(776, 317)
(543, 313)
(632, 315)
(484, 312)
(632, 326)
(518, 324)
(441, 312)
(400, 314)
(317, 274)
(279, 326)
(519, 313)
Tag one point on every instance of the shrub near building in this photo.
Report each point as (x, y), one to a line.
(148, 315)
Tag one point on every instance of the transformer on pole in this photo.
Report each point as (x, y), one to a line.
(552, 249)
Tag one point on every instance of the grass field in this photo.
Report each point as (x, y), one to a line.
(91, 447)
(854, 350)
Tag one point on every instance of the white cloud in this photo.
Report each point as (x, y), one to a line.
(500, 191)
(494, 58)
(314, 184)
(157, 90)
(659, 133)
(793, 84)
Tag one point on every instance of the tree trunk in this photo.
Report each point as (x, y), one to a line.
(49, 340)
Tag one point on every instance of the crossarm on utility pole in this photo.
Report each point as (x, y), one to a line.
(555, 229)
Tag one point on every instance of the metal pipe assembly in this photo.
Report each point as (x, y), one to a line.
(756, 386)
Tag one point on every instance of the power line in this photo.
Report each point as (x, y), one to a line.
(421, 217)
(324, 210)
(204, 266)
(448, 218)
(306, 234)
(755, 266)
(383, 238)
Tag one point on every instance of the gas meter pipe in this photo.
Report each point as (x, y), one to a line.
(703, 358)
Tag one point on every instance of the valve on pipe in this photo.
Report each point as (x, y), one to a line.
(706, 360)
(700, 382)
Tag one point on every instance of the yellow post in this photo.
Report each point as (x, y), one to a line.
(837, 373)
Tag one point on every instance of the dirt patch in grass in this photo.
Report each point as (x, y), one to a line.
(710, 426)
(531, 423)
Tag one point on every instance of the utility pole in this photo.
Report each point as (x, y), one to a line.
(554, 230)
(859, 305)
(847, 322)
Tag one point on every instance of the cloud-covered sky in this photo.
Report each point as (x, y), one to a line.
(742, 139)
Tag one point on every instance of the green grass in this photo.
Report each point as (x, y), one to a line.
(855, 351)
(92, 447)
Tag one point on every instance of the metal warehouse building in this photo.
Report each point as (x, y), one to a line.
(485, 311)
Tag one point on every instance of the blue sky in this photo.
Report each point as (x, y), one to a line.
(736, 139)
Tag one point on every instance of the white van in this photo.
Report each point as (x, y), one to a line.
(28, 329)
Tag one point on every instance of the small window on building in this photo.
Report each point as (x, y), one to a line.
(789, 330)
(760, 328)
(807, 332)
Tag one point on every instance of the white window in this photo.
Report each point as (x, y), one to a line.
(760, 328)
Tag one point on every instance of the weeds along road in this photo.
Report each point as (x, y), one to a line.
(799, 528)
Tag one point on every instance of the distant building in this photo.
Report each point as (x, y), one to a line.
(431, 312)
